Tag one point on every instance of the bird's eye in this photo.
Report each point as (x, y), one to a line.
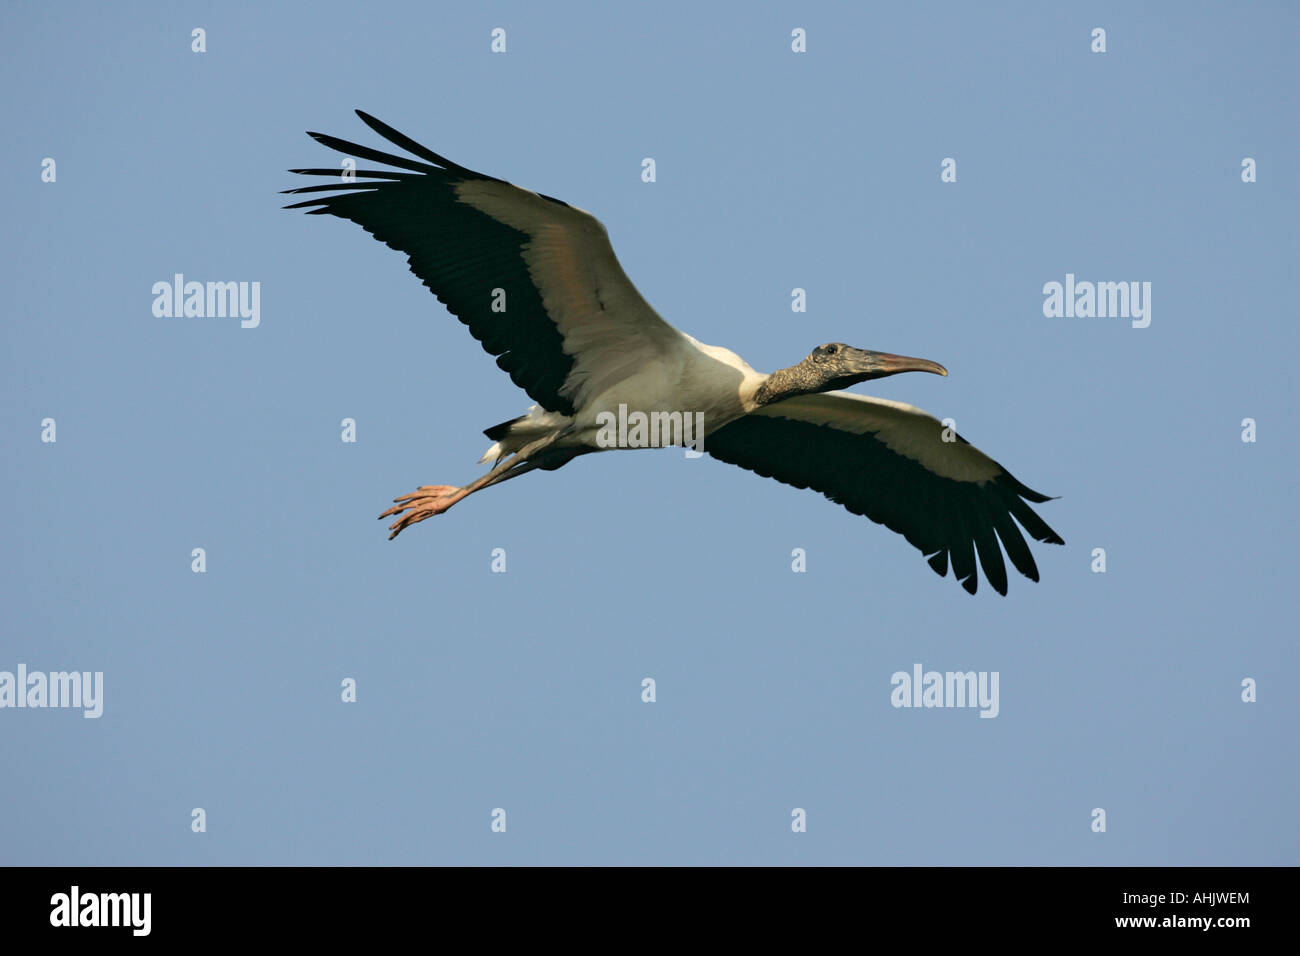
(832, 349)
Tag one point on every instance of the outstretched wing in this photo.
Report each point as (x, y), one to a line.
(534, 279)
(888, 461)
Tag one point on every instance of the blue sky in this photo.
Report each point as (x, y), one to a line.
(775, 170)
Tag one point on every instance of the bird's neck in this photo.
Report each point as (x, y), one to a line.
(784, 383)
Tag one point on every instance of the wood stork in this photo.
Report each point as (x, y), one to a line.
(538, 284)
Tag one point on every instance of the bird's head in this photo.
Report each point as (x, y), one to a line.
(834, 366)
(837, 365)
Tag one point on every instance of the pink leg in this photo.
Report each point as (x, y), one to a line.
(430, 500)
(427, 501)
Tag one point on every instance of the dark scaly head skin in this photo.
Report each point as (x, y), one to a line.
(836, 366)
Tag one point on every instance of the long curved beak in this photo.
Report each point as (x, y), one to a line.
(880, 364)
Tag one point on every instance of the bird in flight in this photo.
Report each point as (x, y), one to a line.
(536, 281)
